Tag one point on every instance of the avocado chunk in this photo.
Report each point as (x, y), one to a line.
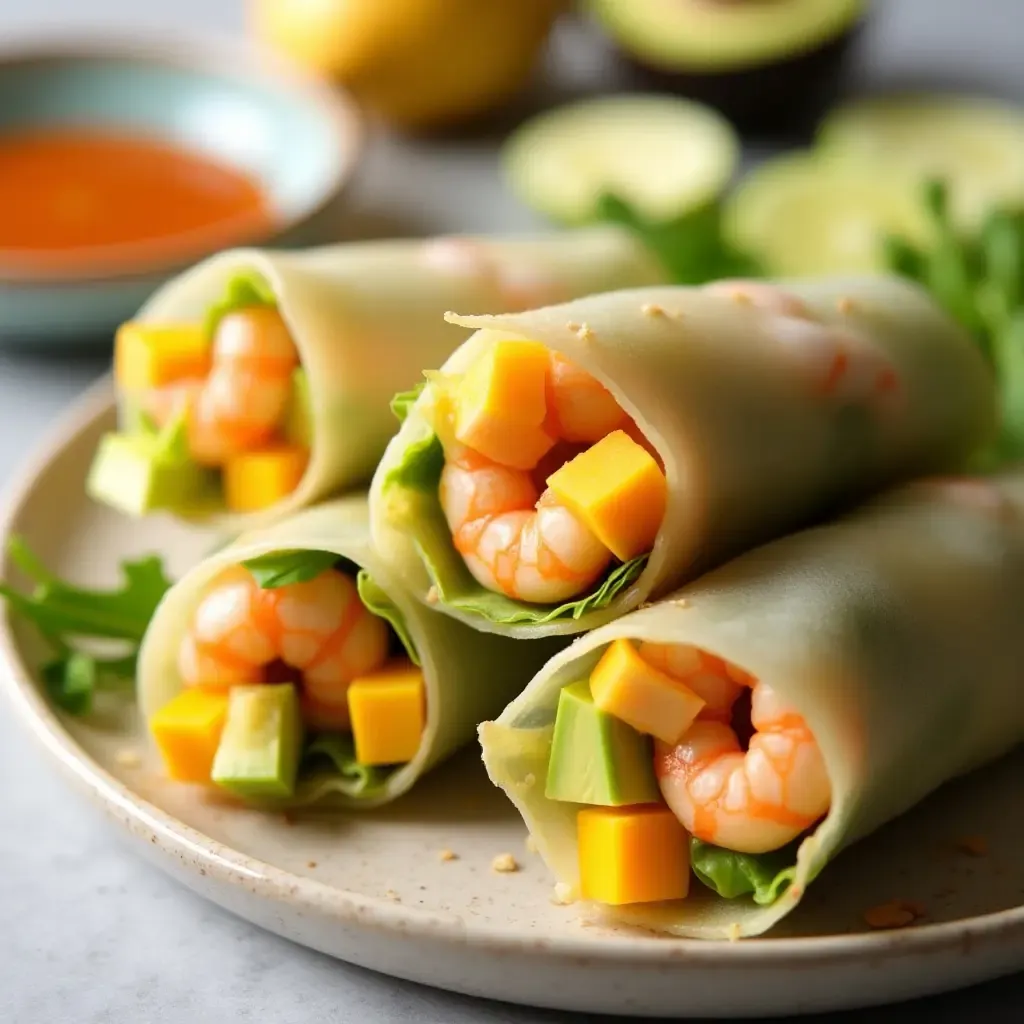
(595, 757)
(261, 745)
(137, 474)
(770, 66)
(298, 424)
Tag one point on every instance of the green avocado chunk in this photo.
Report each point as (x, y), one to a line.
(298, 424)
(261, 746)
(595, 757)
(136, 474)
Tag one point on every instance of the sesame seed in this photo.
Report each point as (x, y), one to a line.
(585, 333)
(652, 309)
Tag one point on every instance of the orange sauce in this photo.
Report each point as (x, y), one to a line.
(74, 199)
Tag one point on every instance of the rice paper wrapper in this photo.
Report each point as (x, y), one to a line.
(895, 632)
(368, 317)
(469, 676)
(762, 428)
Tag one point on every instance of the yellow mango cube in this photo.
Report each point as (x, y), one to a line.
(151, 355)
(187, 731)
(637, 854)
(501, 405)
(261, 478)
(624, 685)
(387, 709)
(618, 490)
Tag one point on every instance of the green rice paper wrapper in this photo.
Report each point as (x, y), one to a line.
(895, 632)
(468, 676)
(367, 317)
(756, 436)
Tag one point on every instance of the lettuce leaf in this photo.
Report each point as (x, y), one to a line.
(244, 289)
(764, 876)
(384, 608)
(281, 568)
(418, 474)
(345, 772)
(405, 400)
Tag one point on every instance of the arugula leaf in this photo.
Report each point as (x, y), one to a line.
(979, 280)
(339, 750)
(61, 611)
(693, 248)
(764, 876)
(280, 568)
(405, 400)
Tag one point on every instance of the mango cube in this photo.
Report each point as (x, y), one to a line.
(388, 713)
(638, 854)
(626, 686)
(258, 479)
(150, 355)
(501, 404)
(618, 491)
(187, 731)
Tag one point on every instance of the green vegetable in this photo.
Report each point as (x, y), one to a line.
(377, 602)
(979, 279)
(339, 751)
(63, 612)
(243, 291)
(763, 876)
(693, 248)
(405, 400)
(281, 568)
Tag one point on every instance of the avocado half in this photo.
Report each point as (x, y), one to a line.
(771, 66)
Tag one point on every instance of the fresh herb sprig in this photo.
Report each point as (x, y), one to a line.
(66, 614)
(978, 278)
(282, 568)
(692, 248)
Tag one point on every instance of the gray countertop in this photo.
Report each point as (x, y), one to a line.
(88, 933)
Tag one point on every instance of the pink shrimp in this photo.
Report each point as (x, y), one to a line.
(512, 540)
(243, 400)
(839, 363)
(752, 800)
(320, 630)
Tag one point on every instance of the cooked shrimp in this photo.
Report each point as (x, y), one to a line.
(750, 801)
(513, 541)
(580, 408)
(319, 628)
(243, 400)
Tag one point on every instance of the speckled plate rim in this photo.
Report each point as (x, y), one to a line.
(203, 855)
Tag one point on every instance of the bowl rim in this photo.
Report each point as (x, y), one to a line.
(219, 54)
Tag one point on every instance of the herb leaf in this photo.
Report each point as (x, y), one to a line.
(693, 248)
(61, 611)
(405, 400)
(280, 568)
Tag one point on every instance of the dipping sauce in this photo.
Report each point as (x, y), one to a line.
(81, 199)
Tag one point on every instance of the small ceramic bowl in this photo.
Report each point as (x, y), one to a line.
(296, 137)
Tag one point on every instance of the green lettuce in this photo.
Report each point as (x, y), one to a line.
(281, 568)
(244, 290)
(418, 474)
(329, 764)
(763, 876)
(384, 608)
(405, 400)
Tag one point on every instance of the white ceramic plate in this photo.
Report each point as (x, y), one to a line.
(372, 889)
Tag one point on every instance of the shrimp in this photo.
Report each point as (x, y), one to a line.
(749, 801)
(514, 535)
(319, 628)
(243, 400)
(513, 541)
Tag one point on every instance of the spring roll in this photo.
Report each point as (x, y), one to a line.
(258, 382)
(569, 463)
(292, 667)
(757, 722)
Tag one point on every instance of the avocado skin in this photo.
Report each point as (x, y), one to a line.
(783, 99)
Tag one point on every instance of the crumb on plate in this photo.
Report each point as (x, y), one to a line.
(504, 864)
(447, 854)
(974, 846)
(895, 914)
(310, 863)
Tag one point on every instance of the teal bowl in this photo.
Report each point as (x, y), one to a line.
(298, 138)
